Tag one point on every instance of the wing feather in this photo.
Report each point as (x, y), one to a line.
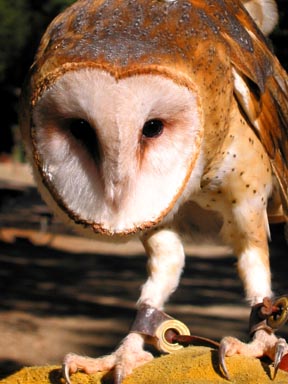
(261, 89)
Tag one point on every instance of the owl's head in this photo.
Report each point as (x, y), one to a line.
(116, 154)
(126, 100)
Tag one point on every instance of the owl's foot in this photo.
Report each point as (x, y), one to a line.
(128, 356)
(263, 344)
(265, 318)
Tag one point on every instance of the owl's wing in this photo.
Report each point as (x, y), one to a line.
(267, 113)
(261, 89)
(264, 13)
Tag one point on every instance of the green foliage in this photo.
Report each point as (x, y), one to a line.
(14, 30)
(21, 24)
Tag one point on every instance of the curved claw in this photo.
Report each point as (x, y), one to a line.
(118, 375)
(279, 352)
(65, 373)
(222, 353)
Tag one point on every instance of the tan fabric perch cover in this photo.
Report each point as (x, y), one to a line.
(197, 365)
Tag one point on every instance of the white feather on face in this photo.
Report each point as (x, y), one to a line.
(92, 134)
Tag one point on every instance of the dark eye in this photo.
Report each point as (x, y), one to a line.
(85, 135)
(153, 128)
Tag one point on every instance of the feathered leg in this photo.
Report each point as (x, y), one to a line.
(253, 266)
(166, 260)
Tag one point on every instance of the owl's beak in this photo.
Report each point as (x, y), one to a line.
(118, 176)
(116, 192)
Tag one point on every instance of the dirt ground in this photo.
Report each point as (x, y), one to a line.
(62, 293)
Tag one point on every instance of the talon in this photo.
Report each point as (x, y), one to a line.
(222, 363)
(65, 373)
(118, 375)
(279, 352)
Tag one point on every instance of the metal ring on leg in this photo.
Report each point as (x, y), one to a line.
(275, 321)
(162, 342)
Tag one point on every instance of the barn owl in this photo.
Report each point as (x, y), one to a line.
(140, 114)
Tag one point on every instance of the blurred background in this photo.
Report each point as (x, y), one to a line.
(61, 293)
